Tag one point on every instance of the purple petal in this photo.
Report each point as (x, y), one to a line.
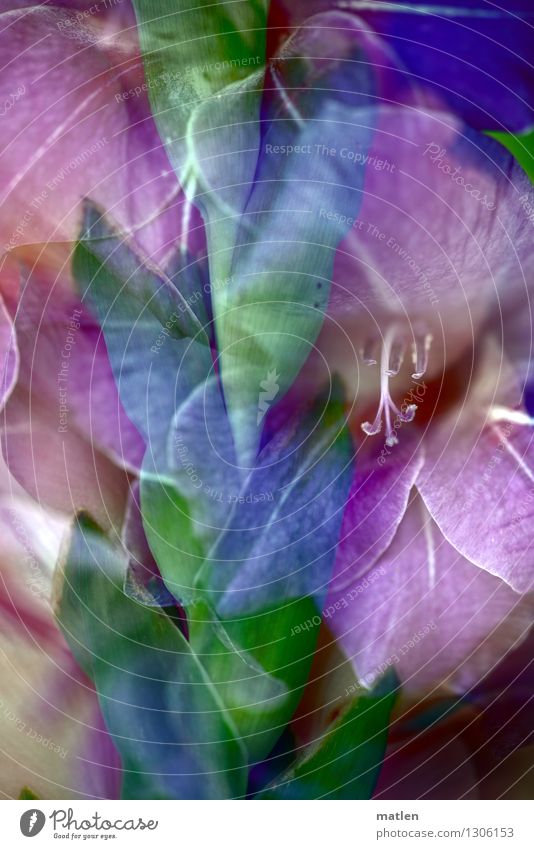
(65, 364)
(475, 56)
(471, 55)
(79, 126)
(428, 612)
(9, 355)
(375, 507)
(59, 469)
(478, 478)
(64, 430)
(440, 235)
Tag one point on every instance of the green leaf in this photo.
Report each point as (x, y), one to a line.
(26, 793)
(345, 762)
(204, 64)
(273, 221)
(167, 518)
(166, 718)
(192, 49)
(193, 52)
(520, 146)
(257, 665)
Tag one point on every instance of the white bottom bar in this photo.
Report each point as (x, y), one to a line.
(242, 825)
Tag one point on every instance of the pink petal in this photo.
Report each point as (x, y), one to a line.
(64, 361)
(428, 612)
(60, 468)
(79, 125)
(478, 478)
(425, 249)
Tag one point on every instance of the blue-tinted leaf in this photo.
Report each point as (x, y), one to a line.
(175, 738)
(157, 348)
(316, 127)
(282, 533)
(270, 534)
(272, 220)
(186, 496)
(258, 664)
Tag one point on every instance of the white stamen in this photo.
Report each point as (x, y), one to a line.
(420, 353)
(368, 352)
(506, 414)
(396, 358)
(430, 549)
(390, 363)
(527, 471)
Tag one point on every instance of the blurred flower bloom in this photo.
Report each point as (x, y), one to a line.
(81, 127)
(65, 436)
(429, 289)
(52, 737)
(363, 232)
(483, 75)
